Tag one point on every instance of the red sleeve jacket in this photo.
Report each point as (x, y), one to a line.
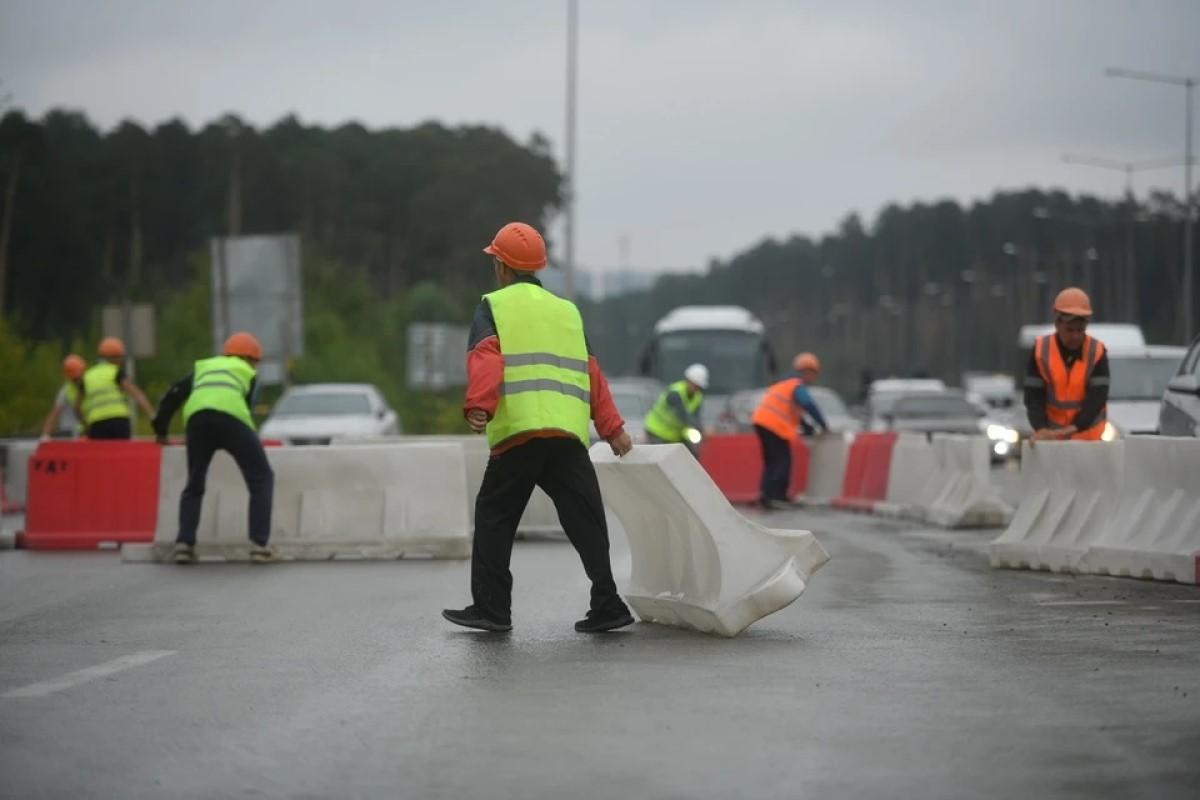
(485, 373)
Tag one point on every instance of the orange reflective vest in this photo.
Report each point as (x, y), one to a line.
(1066, 388)
(778, 411)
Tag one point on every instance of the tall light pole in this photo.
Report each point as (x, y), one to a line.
(1127, 167)
(1188, 83)
(572, 70)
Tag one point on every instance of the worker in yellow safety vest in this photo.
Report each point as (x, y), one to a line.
(62, 418)
(532, 386)
(1066, 381)
(217, 397)
(675, 416)
(777, 421)
(103, 405)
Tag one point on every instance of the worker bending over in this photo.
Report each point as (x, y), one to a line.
(776, 421)
(532, 386)
(675, 417)
(217, 397)
(62, 417)
(1066, 381)
(103, 404)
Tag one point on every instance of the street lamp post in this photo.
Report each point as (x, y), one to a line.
(1188, 83)
(572, 70)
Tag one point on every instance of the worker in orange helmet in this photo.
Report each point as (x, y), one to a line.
(777, 421)
(1066, 381)
(103, 392)
(533, 386)
(62, 418)
(217, 397)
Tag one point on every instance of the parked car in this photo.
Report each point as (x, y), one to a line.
(741, 405)
(319, 412)
(1179, 414)
(1139, 379)
(885, 392)
(634, 397)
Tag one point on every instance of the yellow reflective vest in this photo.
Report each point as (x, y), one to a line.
(221, 384)
(102, 395)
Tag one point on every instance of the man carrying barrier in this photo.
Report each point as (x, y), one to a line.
(675, 417)
(533, 386)
(62, 418)
(777, 420)
(217, 397)
(103, 392)
(1066, 380)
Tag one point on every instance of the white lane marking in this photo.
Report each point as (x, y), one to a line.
(73, 679)
(1186, 601)
(1084, 603)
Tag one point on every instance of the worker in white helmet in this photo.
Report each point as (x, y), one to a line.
(675, 417)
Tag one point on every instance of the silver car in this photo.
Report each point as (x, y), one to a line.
(1179, 414)
(319, 412)
(633, 397)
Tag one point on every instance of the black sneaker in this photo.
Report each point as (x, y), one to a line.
(472, 617)
(770, 504)
(599, 622)
(184, 553)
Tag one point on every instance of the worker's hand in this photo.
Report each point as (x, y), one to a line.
(621, 444)
(477, 418)
(1067, 432)
(45, 437)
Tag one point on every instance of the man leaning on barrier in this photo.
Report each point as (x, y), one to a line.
(533, 386)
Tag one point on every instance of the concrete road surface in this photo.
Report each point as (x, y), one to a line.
(909, 669)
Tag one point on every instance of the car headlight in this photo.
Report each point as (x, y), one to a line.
(1001, 448)
(1111, 433)
(692, 435)
(1003, 433)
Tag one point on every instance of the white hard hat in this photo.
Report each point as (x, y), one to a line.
(697, 374)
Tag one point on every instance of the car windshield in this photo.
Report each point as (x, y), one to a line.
(933, 406)
(322, 403)
(735, 360)
(828, 401)
(632, 404)
(1140, 378)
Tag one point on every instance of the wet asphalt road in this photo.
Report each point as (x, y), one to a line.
(908, 669)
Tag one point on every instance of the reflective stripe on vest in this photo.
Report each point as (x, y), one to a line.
(547, 384)
(662, 421)
(221, 384)
(102, 396)
(778, 412)
(1066, 388)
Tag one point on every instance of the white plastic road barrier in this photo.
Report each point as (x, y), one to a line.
(960, 492)
(540, 517)
(1069, 493)
(366, 502)
(16, 468)
(1156, 530)
(826, 468)
(912, 467)
(698, 563)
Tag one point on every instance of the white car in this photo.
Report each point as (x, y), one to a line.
(884, 393)
(1180, 413)
(319, 412)
(1139, 379)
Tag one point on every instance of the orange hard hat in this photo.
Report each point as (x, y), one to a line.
(242, 344)
(1073, 302)
(73, 367)
(111, 347)
(519, 246)
(806, 361)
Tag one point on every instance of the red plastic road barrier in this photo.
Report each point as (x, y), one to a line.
(866, 479)
(84, 493)
(734, 462)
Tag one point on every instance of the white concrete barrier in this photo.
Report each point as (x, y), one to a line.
(960, 492)
(826, 468)
(369, 501)
(1155, 532)
(1069, 494)
(912, 467)
(698, 563)
(16, 469)
(540, 517)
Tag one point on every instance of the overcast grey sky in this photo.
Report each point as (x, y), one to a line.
(704, 125)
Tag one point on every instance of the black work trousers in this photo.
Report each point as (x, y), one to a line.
(561, 467)
(208, 432)
(115, 428)
(777, 464)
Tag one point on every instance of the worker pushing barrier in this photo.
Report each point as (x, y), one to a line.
(62, 417)
(532, 387)
(675, 416)
(102, 394)
(777, 420)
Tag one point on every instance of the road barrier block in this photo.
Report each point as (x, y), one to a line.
(910, 470)
(364, 502)
(826, 468)
(960, 492)
(734, 461)
(1069, 493)
(14, 473)
(697, 562)
(85, 494)
(867, 466)
(1155, 532)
